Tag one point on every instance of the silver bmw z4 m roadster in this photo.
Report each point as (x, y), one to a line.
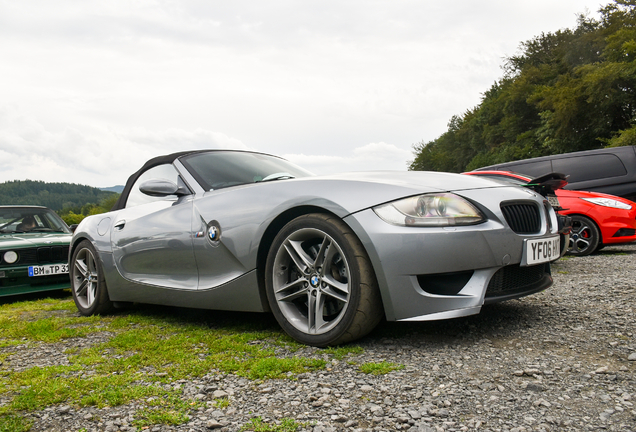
(329, 256)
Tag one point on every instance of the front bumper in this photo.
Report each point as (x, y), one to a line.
(16, 280)
(438, 273)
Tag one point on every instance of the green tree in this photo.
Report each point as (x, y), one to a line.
(566, 91)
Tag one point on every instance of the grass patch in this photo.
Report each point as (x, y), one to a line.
(222, 403)
(286, 425)
(381, 368)
(12, 423)
(341, 352)
(143, 353)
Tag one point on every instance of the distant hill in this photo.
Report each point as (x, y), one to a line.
(56, 196)
(117, 189)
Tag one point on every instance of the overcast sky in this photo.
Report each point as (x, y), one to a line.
(89, 90)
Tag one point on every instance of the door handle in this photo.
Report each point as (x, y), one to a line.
(119, 225)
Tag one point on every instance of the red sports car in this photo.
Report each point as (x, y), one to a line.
(598, 219)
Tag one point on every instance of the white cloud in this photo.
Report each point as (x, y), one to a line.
(92, 89)
(101, 157)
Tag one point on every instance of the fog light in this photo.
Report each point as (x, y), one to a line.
(10, 257)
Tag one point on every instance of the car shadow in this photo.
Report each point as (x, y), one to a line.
(17, 298)
(507, 320)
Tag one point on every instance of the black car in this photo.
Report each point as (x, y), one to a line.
(609, 170)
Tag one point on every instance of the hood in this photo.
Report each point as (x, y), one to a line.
(419, 181)
(27, 240)
(351, 192)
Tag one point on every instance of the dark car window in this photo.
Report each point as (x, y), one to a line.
(590, 167)
(163, 172)
(220, 169)
(532, 169)
(29, 219)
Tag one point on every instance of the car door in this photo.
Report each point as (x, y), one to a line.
(152, 236)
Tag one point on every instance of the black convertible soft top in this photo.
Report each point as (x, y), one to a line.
(159, 160)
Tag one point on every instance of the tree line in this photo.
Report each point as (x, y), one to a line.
(71, 201)
(566, 91)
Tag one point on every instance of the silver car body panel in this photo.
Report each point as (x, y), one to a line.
(161, 252)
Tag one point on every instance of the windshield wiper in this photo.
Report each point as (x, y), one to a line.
(276, 176)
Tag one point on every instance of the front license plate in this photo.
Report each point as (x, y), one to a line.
(539, 251)
(554, 201)
(47, 270)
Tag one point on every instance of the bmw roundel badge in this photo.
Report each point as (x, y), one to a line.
(213, 233)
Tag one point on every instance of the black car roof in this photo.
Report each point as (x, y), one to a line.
(159, 160)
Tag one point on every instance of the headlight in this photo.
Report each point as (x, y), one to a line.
(608, 202)
(443, 209)
(10, 257)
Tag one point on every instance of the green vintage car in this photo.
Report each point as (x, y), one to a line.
(34, 243)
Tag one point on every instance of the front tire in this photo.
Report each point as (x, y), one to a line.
(87, 281)
(320, 284)
(585, 237)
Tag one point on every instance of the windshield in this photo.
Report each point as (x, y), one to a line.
(221, 169)
(30, 220)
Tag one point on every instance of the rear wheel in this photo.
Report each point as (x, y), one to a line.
(585, 237)
(320, 284)
(87, 281)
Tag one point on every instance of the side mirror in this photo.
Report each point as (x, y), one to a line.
(158, 188)
(73, 227)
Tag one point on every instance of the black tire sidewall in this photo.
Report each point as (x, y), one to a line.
(334, 228)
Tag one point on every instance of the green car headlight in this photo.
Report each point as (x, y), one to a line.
(441, 209)
(10, 257)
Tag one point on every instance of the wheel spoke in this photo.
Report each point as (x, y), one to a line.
(81, 290)
(91, 264)
(338, 293)
(90, 293)
(586, 244)
(297, 254)
(311, 314)
(300, 291)
(336, 284)
(289, 285)
(81, 267)
(315, 320)
(320, 257)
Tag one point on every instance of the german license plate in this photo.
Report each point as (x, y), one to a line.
(47, 270)
(554, 201)
(537, 251)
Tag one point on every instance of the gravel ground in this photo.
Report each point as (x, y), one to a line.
(560, 360)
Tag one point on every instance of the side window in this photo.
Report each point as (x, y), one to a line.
(591, 167)
(165, 172)
(532, 169)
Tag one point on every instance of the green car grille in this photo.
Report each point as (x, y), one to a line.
(36, 256)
